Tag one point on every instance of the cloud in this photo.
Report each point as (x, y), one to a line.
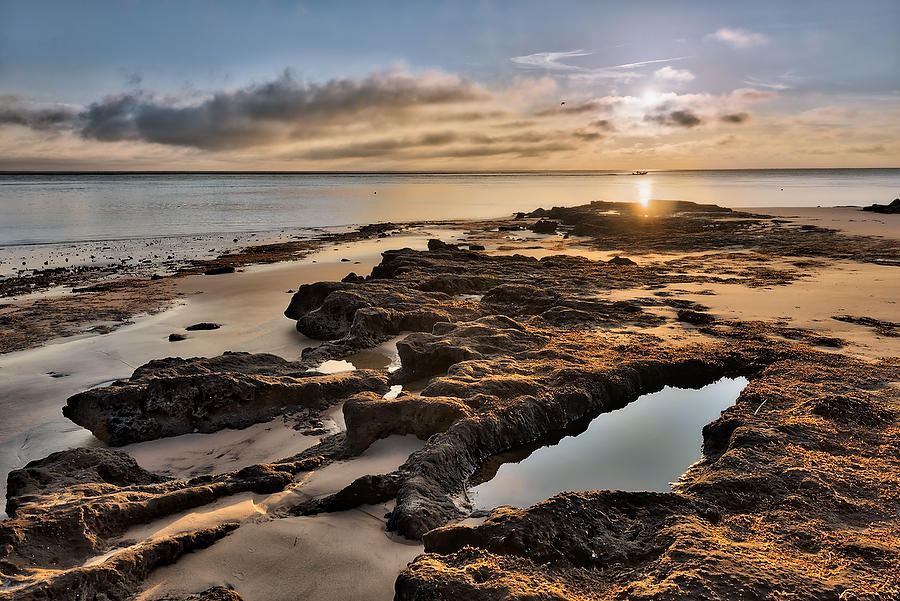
(450, 144)
(827, 115)
(650, 62)
(873, 149)
(16, 110)
(271, 112)
(604, 124)
(588, 136)
(752, 95)
(552, 61)
(734, 117)
(601, 105)
(680, 118)
(739, 38)
(762, 83)
(549, 61)
(667, 73)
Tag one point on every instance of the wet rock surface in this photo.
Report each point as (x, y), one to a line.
(172, 396)
(75, 469)
(796, 495)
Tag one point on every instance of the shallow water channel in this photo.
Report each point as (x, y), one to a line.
(646, 445)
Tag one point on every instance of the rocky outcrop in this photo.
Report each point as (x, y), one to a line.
(892, 208)
(664, 225)
(369, 418)
(543, 226)
(216, 593)
(58, 520)
(78, 470)
(424, 355)
(413, 291)
(119, 576)
(179, 396)
(524, 392)
(789, 478)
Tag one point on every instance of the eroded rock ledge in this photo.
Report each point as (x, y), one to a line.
(796, 496)
(173, 396)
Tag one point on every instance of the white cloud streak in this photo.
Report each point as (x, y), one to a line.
(739, 38)
(667, 73)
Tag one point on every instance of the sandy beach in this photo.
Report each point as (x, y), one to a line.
(279, 551)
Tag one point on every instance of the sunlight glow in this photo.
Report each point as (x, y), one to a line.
(651, 98)
(645, 189)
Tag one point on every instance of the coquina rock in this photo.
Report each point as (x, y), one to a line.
(178, 396)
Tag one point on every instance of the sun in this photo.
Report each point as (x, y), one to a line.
(651, 98)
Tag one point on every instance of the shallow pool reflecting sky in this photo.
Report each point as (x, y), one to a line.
(644, 446)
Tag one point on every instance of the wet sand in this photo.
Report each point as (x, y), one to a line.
(249, 305)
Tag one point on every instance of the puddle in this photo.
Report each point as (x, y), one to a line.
(644, 446)
(333, 366)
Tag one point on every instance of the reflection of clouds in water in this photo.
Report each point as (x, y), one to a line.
(644, 446)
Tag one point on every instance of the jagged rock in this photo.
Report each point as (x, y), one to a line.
(177, 337)
(543, 226)
(435, 244)
(66, 469)
(216, 593)
(617, 260)
(697, 318)
(893, 207)
(369, 417)
(178, 396)
(219, 270)
(120, 576)
(353, 278)
(428, 354)
(204, 325)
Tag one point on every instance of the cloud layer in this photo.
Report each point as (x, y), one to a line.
(398, 120)
(280, 110)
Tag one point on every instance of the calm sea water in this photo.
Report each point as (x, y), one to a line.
(36, 209)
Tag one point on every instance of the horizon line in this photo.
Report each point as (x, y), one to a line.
(399, 172)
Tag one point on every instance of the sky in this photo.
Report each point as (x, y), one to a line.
(455, 85)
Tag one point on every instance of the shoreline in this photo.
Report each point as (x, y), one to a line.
(109, 293)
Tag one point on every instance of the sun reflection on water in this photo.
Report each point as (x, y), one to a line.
(645, 188)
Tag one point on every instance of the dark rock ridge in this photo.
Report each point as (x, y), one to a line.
(881, 326)
(118, 577)
(687, 226)
(413, 290)
(76, 469)
(203, 325)
(56, 523)
(523, 394)
(219, 270)
(893, 207)
(369, 418)
(178, 396)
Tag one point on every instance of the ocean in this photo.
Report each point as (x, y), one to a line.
(73, 208)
